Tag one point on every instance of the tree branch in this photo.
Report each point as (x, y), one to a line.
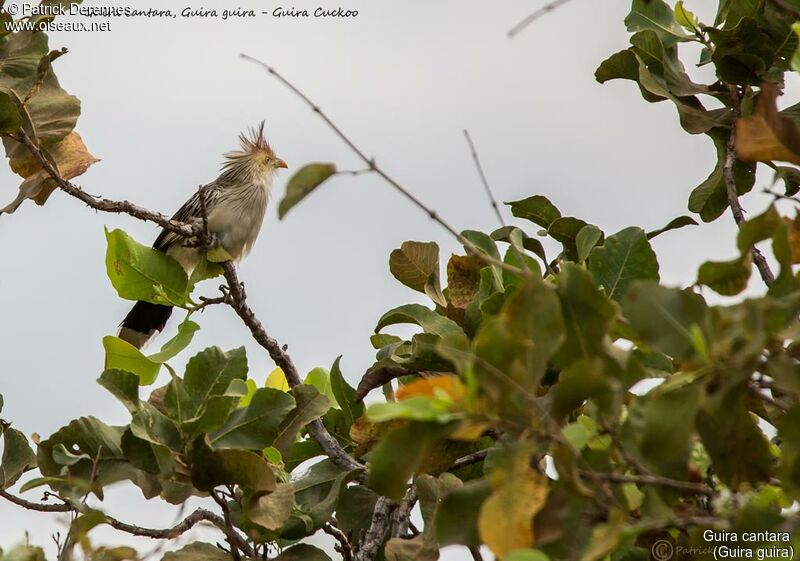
(199, 515)
(381, 519)
(101, 204)
(733, 196)
(474, 458)
(482, 175)
(470, 247)
(402, 515)
(281, 358)
(344, 547)
(697, 488)
(546, 9)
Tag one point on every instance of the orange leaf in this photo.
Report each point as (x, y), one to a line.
(447, 383)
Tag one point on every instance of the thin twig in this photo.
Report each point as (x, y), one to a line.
(470, 247)
(546, 9)
(344, 548)
(482, 175)
(476, 553)
(101, 204)
(230, 532)
(780, 196)
(329, 444)
(373, 539)
(474, 458)
(199, 515)
(733, 196)
(656, 480)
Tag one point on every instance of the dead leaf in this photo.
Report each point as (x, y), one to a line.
(766, 135)
(71, 158)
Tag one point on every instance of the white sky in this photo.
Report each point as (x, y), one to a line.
(163, 99)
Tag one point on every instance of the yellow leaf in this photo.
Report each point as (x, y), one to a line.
(766, 135)
(277, 380)
(445, 385)
(505, 521)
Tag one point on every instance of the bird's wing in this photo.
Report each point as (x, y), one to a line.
(190, 211)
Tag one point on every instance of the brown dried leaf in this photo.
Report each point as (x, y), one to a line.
(71, 158)
(766, 135)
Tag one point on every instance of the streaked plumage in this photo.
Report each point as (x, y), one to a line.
(235, 206)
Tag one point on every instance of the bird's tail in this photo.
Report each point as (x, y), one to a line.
(142, 322)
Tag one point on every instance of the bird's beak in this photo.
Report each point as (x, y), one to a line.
(282, 164)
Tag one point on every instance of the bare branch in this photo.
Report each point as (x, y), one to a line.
(474, 458)
(281, 358)
(199, 515)
(236, 542)
(482, 175)
(733, 196)
(470, 247)
(344, 547)
(402, 515)
(657, 480)
(381, 519)
(546, 9)
(101, 204)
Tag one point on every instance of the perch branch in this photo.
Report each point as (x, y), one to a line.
(101, 204)
(482, 175)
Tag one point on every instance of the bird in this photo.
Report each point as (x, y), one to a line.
(235, 204)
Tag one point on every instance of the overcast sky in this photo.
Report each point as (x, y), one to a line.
(163, 99)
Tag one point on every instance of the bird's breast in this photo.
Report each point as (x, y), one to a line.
(237, 217)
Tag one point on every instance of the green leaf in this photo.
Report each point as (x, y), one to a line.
(345, 396)
(254, 427)
(417, 408)
(673, 224)
(23, 552)
(487, 246)
(744, 53)
(303, 552)
(430, 321)
(309, 405)
(197, 551)
(273, 510)
(122, 355)
(303, 183)
(586, 240)
(657, 16)
(354, 509)
(537, 209)
(710, 198)
(209, 373)
(457, 517)
(623, 258)
(685, 18)
(588, 315)
(397, 456)
(321, 379)
(739, 450)
(565, 230)
(17, 457)
(664, 317)
(416, 265)
(758, 229)
(123, 385)
(138, 272)
(527, 555)
(659, 427)
(727, 278)
(211, 468)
